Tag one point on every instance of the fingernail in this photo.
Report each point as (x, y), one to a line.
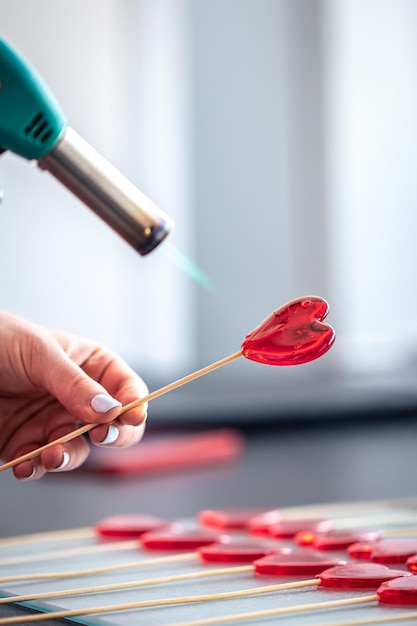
(32, 475)
(101, 403)
(65, 462)
(112, 435)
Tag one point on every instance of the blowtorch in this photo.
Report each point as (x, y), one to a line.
(33, 126)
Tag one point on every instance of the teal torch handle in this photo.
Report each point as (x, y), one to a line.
(31, 120)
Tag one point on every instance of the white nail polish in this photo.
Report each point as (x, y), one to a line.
(101, 403)
(33, 474)
(65, 462)
(112, 435)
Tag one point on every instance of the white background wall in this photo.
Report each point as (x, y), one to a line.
(118, 70)
(370, 56)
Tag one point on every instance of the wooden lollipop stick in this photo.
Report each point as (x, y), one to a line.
(386, 619)
(182, 381)
(162, 560)
(49, 535)
(288, 610)
(69, 552)
(125, 408)
(225, 571)
(112, 608)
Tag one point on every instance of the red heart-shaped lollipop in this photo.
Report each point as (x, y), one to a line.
(235, 551)
(360, 550)
(400, 591)
(296, 563)
(260, 524)
(291, 335)
(358, 576)
(129, 525)
(341, 539)
(288, 528)
(230, 519)
(412, 563)
(393, 550)
(178, 539)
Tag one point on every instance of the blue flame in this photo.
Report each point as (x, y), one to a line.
(182, 261)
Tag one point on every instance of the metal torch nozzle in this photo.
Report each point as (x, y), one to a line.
(107, 192)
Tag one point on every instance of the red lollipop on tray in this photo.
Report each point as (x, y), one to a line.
(401, 591)
(128, 526)
(358, 576)
(178, 539)
(304, 538)
(260, 524)
(412, 563)
(235, 552)
(296, 563)
(393, 550)
(341, 539)
(289, 528)
(360, 551)
(230, 519)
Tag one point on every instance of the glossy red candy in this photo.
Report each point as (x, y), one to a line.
(296, 563)
(178, 539)
(342, 539)
(304, 538)
(360, 550)
(412, 563)
(128, 526)
(293, 334)
(235, 552)
(400, 591)
(288, 528)
(393, 550)
(358, 576)
(230, 519)
(260, 524)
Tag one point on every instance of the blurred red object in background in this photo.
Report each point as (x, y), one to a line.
(161, 453)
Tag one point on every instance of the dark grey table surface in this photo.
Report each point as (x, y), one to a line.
(285, 465)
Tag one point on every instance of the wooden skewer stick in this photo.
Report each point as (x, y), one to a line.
(400, 532)
(148, 582)
(288, 610)
(125, 408)
(162, 560)
(59, 554)
(386, 619)
(112, 608)
(182, 381)
(225, 571)
(49, 535)
(398, 617)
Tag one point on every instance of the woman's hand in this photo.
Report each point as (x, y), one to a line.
(50, 383)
